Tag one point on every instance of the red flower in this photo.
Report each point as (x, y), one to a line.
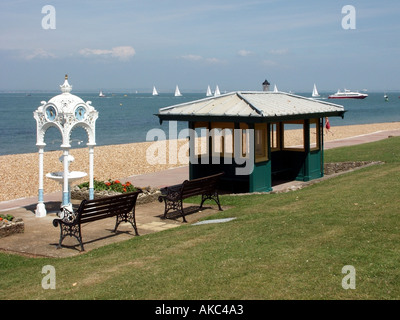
(108, 184)
(117, 181)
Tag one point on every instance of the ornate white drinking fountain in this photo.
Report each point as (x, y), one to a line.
(64, 112)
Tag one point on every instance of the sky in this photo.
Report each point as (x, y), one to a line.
(132, 45)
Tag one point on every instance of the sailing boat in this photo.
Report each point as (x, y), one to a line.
(155, 93)
(217, 93)
(101, 94)
(315, 93)
(275, 88)
(177, 92)
(208, 94)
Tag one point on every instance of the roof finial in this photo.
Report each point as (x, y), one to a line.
(66, 87)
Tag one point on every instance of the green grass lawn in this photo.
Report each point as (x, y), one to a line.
(281, 246)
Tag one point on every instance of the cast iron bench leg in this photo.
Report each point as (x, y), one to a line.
(214, 197)
(72, 231)
(181, 209)
(126, 217)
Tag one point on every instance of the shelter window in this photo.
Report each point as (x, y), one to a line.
(245, 142)
(222, 138)
(201, 138)
(314, 134)
(293, 135)
(260, 142)
(274, 136)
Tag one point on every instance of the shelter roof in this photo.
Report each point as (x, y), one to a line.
(251, 106)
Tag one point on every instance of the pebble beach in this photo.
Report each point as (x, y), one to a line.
(19, 172)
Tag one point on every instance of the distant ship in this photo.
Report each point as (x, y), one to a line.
(315, 93)
(347, 94)
(155, 93)
(177, 92)
(101, 94)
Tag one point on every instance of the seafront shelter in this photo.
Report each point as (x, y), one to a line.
(252, 137)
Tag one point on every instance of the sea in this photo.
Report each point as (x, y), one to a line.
(128, 117)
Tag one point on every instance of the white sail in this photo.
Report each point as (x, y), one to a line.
(275, 88)
(177, 92)
(155, 93)
(217, 93)
(101, 94)
(208, 94)
(315, 92)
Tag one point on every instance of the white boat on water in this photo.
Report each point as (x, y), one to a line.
(276, 88)
(101, 94)
(155, 93)
(208, 93)
(177, 92)
(347, 94)
(217, 92)
(315, 93)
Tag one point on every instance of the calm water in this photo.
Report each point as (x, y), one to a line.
(126, 118)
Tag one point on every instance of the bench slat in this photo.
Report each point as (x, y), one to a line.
(118, 206)
(99, 212)
(112, 199)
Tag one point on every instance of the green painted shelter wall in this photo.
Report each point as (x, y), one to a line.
(260, 178)
(311, 166)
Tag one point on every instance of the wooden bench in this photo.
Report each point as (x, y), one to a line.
(173, 196)
(121, 206)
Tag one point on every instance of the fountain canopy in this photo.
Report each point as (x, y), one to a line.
(65, 112)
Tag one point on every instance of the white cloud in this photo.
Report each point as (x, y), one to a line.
(37, 53)
(96, 52)
(244, 53)
(123, 53)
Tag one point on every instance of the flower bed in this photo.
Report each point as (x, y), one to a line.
(110, 188)
(110, 185)
(10, 225)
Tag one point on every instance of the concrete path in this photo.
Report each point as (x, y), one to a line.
(40, 238)
(370, 137)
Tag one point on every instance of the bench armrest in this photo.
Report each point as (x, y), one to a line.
(66, 217)
(171, 192)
